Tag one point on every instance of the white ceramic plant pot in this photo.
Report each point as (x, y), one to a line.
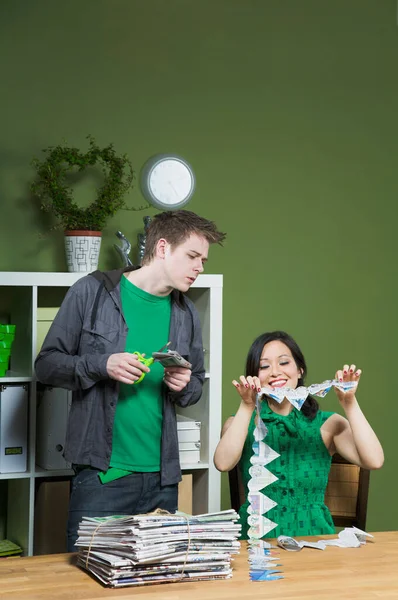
(82, 250)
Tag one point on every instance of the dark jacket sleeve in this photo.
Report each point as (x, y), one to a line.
(59, 364)
(192, 392)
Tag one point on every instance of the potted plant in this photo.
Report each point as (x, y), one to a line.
(82, 226)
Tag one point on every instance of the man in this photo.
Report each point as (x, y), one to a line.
(122, 433)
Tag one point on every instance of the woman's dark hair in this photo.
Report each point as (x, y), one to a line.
(310, 406)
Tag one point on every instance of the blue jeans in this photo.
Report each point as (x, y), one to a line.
(130, 495)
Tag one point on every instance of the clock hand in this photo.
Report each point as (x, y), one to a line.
(172, 186)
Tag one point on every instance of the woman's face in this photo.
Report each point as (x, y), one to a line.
(277, 366)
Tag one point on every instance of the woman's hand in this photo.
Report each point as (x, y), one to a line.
(234, 433)
(248, 388)
(348, 373)
(353, 437)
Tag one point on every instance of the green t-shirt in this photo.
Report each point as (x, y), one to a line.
(137, 428)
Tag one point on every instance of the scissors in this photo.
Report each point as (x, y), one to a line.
(147, 361)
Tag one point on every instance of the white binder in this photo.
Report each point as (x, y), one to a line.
(13, 428)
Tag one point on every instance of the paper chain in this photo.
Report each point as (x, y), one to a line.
(262, 563)
(298, 396)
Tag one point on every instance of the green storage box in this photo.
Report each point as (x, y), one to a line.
(7, 329)
(7, 334)
(4, 362)
(5, 344)
(4, 354)
(7, 338)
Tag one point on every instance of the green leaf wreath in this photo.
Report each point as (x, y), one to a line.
(57, 197)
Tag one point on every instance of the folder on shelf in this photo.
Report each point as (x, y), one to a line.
(8, 548)
(13, 428)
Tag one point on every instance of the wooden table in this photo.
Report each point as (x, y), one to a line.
(370, 571)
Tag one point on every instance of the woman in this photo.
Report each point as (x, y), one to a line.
(306, 440)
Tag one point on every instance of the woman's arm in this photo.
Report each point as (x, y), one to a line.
(353, 437)
(234, 432)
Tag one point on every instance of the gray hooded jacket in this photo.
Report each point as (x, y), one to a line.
(88, 328)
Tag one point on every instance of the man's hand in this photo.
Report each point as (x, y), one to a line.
(176, 378)
(125, 367)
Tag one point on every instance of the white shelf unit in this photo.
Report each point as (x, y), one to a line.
(20, 296)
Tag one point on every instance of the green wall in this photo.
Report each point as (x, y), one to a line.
(287, 112)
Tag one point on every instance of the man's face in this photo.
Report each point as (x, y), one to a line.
(183, 263)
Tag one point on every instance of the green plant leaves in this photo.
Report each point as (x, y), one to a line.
(57, 197)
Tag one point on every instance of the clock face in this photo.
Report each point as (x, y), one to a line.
(167, 182)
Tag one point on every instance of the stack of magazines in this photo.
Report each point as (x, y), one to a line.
(158, 548)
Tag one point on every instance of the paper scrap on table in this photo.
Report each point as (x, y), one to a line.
(266, 575)
(350, 537)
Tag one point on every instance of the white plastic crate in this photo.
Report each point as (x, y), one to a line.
(188, 430)
(189, 452)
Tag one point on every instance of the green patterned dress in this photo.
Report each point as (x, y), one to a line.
(302, 470)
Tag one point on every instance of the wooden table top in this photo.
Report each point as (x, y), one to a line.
(370, 571)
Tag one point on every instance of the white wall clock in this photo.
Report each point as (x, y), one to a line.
(167, 181)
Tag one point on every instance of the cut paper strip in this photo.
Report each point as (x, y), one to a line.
(258, 471)
(258, 483)
(259, 504)
(261, 547)
(289, 543)
(265, 575)
(263, 454)
(350, 537)
(259, 526)
(262, 577)
(298, 396)
(321, 389)
(361, 535)
(260, 431)
(261, 565)
(264, 562)
(254, 557)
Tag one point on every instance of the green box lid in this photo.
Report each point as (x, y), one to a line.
(7, 329)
